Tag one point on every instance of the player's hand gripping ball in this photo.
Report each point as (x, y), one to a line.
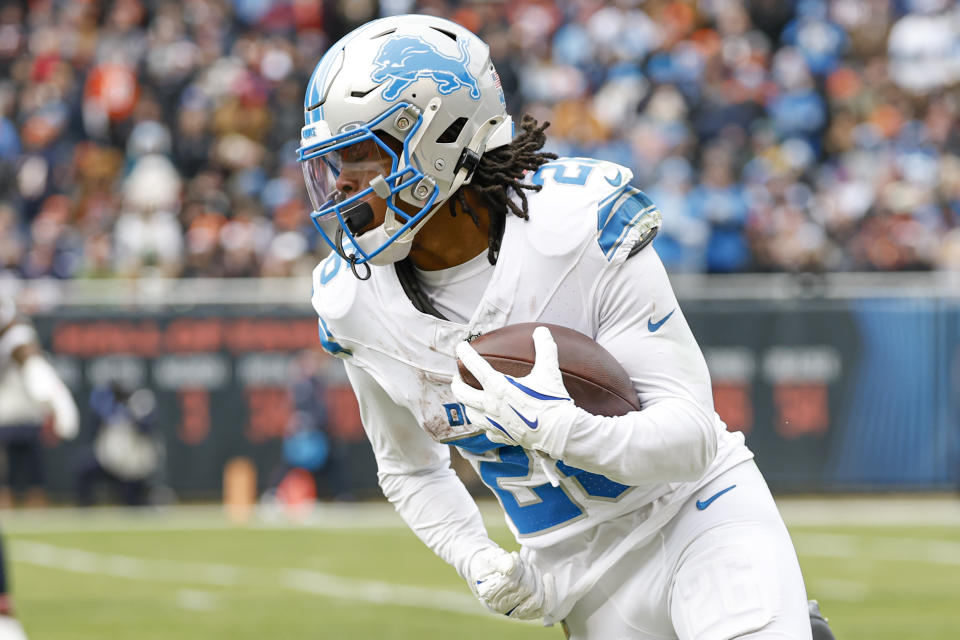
(530, 392)
(534, 411)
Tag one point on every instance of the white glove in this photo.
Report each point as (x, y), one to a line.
(534, 411)
(508, 584)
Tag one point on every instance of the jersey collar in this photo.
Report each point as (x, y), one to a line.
(491, 312)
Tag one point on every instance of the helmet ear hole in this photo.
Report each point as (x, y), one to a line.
(451, 133)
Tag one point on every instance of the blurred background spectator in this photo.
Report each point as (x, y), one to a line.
(126, 452)
(156, 138)
(314, 455)
(31, 391)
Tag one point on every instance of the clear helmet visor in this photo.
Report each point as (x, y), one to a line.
(339, 180)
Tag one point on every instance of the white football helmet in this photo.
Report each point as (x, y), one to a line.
(399, 110)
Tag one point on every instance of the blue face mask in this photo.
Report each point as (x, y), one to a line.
(353, 176)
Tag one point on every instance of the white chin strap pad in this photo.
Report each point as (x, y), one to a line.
(376, 238)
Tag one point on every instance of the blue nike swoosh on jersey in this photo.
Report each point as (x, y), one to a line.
(616, 181)
(703, 504)
(653, 326)
(532, 425)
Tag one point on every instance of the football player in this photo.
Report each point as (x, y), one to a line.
(30, 389)
(443, 222)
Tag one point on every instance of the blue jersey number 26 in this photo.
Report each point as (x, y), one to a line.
(549, 506)
(564, 173)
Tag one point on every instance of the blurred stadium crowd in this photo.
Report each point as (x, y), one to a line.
(157, 137)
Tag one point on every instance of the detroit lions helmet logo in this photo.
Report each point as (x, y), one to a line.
(405, 59)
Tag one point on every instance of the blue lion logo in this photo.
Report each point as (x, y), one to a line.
(405, 59)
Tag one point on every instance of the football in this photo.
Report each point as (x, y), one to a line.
(594, 378)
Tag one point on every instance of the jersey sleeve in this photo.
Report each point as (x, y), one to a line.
(415, 475)
(674, 436)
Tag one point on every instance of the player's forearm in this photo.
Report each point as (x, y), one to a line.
(440, 511)
(44, 385)
(674, 440)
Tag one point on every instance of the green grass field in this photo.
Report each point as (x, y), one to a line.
(354, 572)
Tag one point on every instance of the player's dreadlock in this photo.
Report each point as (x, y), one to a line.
(501, 171)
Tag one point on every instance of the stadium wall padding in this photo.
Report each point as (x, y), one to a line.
(832, 395)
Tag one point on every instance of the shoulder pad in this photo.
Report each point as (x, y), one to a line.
(334, 291)
(583, 172)
(627, 218)
(334, 287)
(563, 212)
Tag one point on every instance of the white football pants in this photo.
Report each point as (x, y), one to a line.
(723, 568)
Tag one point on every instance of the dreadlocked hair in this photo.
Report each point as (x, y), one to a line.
(500, 174)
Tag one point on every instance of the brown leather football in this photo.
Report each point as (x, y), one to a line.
(594, 378)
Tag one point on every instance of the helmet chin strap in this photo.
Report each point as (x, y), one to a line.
(358, 217)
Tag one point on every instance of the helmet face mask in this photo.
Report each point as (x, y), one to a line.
(354, 175)
(391, 111)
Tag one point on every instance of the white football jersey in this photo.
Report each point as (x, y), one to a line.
(573, 264)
